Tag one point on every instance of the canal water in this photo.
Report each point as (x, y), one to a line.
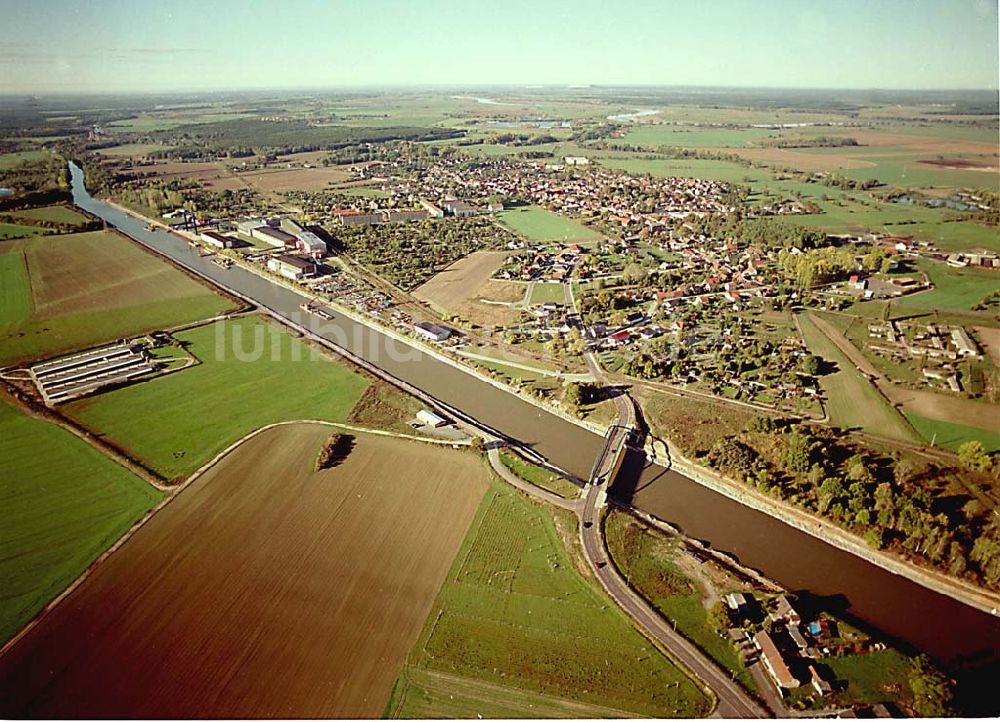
(885, 602)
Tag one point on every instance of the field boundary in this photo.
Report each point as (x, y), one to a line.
(175, 491)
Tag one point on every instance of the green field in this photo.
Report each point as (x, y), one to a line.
(546, 292)
(653, 136)
(851, 401)
(15, 291)
(14, 230)
(133, 150)
(871, 677)
(9, 160)
(515, 613)
(954, 288)
(57, 214)
(718, 170)
(540, 225)
(647, 560)
(252, 373)
(62, 503)
(539, 477)
(87, 288)
(951, 436)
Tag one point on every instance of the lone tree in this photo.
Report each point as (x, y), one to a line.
(973, 456)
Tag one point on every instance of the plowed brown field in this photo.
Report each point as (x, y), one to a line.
(264, 590)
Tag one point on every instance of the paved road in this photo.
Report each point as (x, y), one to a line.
(733, 701)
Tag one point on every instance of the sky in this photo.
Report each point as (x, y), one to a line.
(49, 46)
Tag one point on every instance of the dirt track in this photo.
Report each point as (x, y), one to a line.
(263, 590)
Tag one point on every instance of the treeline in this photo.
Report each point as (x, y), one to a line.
(894, 501)
(820, 141)
(36, 177)
(261, 136)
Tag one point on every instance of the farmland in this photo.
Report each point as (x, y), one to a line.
(265, 589)
(16, 230)
(950, 436)
(653, 136)
(61, 504)
(54, 214)
(85, 288)
(538, 224)
(954, 288)
(516, 613)
(852, 402)
(460, 282)
(175, 423)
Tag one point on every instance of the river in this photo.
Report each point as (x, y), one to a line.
(886, 602)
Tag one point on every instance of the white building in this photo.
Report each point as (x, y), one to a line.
(292, 267)
(216, 239)
(431, 331)
(576, 160)
(429, 418)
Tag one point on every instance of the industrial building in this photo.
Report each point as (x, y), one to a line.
(216, 239)
(431, 331)
(274, 237)
(306, 241)
(292, 267)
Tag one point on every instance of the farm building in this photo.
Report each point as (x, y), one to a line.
(430, 418)
(216, 239)
(80, 374)
(292, 267)
(306, 241)
(576, 160)
(431, 331)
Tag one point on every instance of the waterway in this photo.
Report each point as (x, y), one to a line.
(896, 606)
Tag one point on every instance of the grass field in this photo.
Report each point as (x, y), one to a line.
(62, 503)
(954, 288)
(871, 678)
(652, 136)
(516, 613)
(265, 590)
(58, 214)
(546, 292)
(9, 160)
(950, 436)
(540, 225)
(15, 230)
(648, 561)
(539, 477)
(15, 290)
(851, 401)
(86, 288)
(176, 423)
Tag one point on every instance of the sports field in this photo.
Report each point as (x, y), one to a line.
(538, 224)
(265, 590)
(86, 288)
(251, 373)
(62, 503)
(516, 616)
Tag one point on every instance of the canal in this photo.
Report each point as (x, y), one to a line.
(888, 603)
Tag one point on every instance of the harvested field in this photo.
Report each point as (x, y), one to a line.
(86, 288)
(960, 164)
(796, 158)
(989, 338)
(461, 281)
(294, 179)
(491, 314)
(263, 590)
(945, 407)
